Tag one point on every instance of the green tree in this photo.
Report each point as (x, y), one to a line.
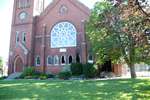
(118, 37)
(1, 65)
(1, 62)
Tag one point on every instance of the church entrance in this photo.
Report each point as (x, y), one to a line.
(107, 66)
(18, 65)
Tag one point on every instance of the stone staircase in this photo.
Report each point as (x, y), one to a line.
(13, 75)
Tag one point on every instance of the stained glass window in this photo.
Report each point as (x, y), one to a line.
(63, 34)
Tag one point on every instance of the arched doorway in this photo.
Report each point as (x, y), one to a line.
(18, 65)
(107, 66)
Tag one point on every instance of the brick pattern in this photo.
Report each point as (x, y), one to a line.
(38, 31)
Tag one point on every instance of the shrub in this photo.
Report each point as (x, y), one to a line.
(43, 76)
(28, 77)
(36, 76)
(89, 70)
(66, 68)
(76, 69)
(50, 76)
(29, 71)
(3, 77)
(21, 76)
(64, 75)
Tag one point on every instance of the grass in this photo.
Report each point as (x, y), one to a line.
(125, 89)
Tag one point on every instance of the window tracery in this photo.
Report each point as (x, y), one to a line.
(63, 34)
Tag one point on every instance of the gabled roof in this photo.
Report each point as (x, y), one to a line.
(81, 6)
(76, 3)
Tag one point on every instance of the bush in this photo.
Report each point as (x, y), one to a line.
(29, 71)
(76, 69)
(89, 70)
(43, 76)
(50, 76)
(36, 76)
(64, 75)
(66, 68)
(3, 77)
(28, 77)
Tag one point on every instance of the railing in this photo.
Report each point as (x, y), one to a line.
(24, 48)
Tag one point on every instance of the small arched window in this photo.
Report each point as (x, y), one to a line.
(17, 38)
(56, 60)
(78, 58)
(90, 58)
(50, 60)
(63, 10)
(37, 61)
(70, 59)
(24, 37)
(63, 60)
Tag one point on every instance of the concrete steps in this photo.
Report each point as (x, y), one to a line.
(13, 75)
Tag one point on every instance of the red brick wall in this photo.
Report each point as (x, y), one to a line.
(117, 69)
(76, 14)
(21, 26)
(50, 17)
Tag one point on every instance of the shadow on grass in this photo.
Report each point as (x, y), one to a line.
(125, 89)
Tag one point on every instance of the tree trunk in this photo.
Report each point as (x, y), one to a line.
(132, 70)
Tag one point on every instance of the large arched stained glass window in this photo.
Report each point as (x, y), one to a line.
(63, 34)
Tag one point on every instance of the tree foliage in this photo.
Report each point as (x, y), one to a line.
(1, 62)
(117, 35)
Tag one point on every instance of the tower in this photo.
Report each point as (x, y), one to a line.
(22, 32)
(39, 6)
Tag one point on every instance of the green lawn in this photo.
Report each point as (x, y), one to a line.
(125, 89)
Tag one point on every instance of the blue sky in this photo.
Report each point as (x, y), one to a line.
(6, 9)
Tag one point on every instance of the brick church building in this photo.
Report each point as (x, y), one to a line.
(52, 39)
